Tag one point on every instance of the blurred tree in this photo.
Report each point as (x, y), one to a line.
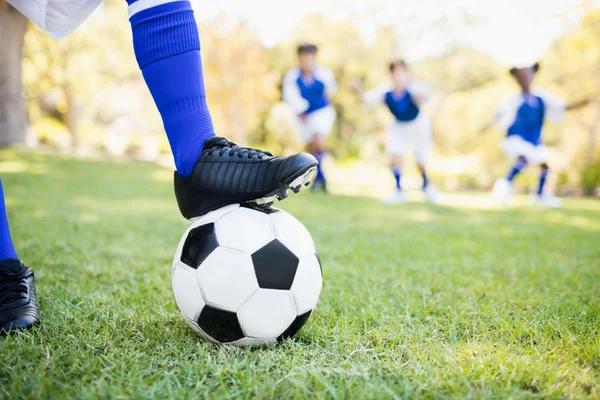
(573, 68)
(86, 91)
(240, 86)
(83, 78)
(13, 122)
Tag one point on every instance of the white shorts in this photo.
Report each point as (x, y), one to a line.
(319, 122)
(515, 147)
(414, 134)
(56, 17)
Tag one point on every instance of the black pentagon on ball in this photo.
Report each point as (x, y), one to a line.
(295, 327)
(275, 266)
(199, 244)
(223, 326)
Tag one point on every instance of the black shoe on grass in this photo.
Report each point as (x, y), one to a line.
(18, 305)
(228, 174)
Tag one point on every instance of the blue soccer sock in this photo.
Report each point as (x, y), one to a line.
(167, 49)
(397, 176)
(320, 176)
(543, 177)
(516, 169)
(7, 249)
(425, 180)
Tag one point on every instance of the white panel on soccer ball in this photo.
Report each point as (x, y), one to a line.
(199, 330)
(252, 342)
(209, 218)
(227, 279)
(307, 284)
(187, 291)
(245, 229)
(293, 234)
(267, 314)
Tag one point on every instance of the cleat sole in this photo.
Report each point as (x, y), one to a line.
(282, 192)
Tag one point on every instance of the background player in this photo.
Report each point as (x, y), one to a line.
(411, 128)
(211, 171)
(308, 89)
(523, 116)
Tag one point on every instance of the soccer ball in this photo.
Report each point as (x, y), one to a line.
(246, 276)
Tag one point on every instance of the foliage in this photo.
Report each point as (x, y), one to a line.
(418, 302)
(90, 83)
(590, 179)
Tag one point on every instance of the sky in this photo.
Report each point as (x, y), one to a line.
(515, 32)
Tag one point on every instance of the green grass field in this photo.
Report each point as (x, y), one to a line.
(419, 301)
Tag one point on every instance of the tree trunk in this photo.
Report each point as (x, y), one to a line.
(13, 121)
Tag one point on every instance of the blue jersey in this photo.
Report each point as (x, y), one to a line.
(308, 94)
(313, 91)
(524, 115)
(529, 120)
(402, 106)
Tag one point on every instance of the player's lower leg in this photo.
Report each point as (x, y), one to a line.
(397, 172)
(546, 199)
(7, 248)
(503, 188)
(517, 168)
(211, 172)
(318, 150)
(167, 49)
(424, 176)
(543, 177)
(398, 196)
(18, 305)
(320, 180)
(432, 194)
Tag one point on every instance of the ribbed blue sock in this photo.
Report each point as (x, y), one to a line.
(543, 177)
(516, 169)
(397, 175)
(167, 49)
(7, 249)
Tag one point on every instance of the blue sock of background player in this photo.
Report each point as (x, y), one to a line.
(519, 166)
(543, 177)
(424, 176)
(320, 177)
(396, 171)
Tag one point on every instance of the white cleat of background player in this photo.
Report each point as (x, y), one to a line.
(397, 198)
(548, 200)
(502, 192)
(433, 195)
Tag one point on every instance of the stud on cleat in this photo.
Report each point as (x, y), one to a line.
(282, 192)
(264, 202)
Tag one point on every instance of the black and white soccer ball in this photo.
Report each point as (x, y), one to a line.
(246, 276)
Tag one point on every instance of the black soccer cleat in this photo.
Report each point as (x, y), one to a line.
(18, 305)
(228, 174)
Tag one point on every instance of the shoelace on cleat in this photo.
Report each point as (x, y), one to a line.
(12, 286)
(223, 146)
